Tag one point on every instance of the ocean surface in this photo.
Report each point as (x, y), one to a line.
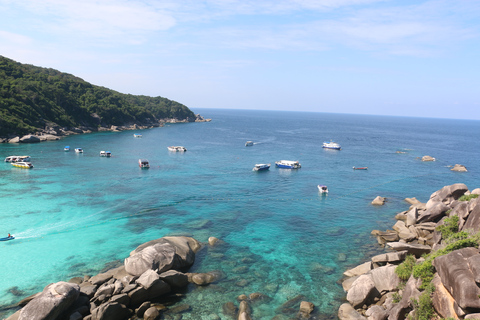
(77, 214)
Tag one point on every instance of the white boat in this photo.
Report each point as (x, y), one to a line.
(177, 149)
(137, 135)
(322, 188)
(143, 163)
(287, 164)
(17, 159)
(332, 145)
(261, 167)
(78, 150)
(22, 164)
(248, 143)
(66, 148)
(107, 154)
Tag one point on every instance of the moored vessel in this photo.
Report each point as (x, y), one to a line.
(22, 164)
(107, 154)
(248, 143)
(177, 149)
(288, 164)
(322, 188)
(143, 163)
(332, 145)
(261, 167)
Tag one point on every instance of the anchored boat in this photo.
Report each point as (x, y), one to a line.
(261, 167)
(287, 164)
(332, 145)
(22, 164)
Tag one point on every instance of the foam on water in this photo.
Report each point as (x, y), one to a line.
(75, 214)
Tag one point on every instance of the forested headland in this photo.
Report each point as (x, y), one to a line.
(32, 98)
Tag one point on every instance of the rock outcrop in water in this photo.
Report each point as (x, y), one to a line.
(444, 283)
(154, 270)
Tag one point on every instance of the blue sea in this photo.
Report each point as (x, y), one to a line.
(77, 214)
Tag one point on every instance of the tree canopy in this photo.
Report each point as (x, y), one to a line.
(31, 97)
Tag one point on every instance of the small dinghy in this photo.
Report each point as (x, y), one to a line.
(322, 188)
(360, 168)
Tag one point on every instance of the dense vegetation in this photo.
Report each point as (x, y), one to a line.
(32, 97)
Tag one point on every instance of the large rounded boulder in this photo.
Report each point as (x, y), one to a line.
(163, 254)
(51, 302)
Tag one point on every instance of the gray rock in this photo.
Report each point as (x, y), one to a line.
(347, 312)
(376, 312)
(385, 236)
(459, 168)
(457, 277)
(347, 283)
(462, 211)
(155, 287)
(391, 257)
(158, 256)
(385, 278)
(410, 292)
(151, 313)
(121, 298)
(473, 219)
(29, 139)
(416, 249)
(434, 213)
(412, 216)
(448, 193)
(143, 307)
(378, 201)
(442, 300)
(359, 270)
(362, 290)
(54, 299)
(175, 279)
(100, 278)
(138, 296)
(111, 311)
(185, 249)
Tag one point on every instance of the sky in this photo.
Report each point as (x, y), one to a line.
(384, 57)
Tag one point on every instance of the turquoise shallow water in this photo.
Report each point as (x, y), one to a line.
(73, 214)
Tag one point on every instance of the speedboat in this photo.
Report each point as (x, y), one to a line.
(22, 164)
(261, 167)
(107, 154)
(248, 143)
(137, 135)
(7, 238)
(78, 150)
(332, 145)
(322, 188)
(17, 158)
(143, 163)
(287, 164)
(360, 168)
(66, 148)
(177, 149)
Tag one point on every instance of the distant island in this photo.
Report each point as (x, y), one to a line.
(44, 101)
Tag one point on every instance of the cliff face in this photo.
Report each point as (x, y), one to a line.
(33, 98)
(433, 269)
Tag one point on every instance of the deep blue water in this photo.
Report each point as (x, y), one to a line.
(74, 213)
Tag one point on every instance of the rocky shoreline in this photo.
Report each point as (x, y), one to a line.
(154, 278)
(146, 286)
(433, 270)
(53, 132)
